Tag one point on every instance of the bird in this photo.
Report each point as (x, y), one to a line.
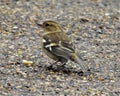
(57, 44)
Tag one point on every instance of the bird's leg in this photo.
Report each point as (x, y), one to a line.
(63, 64)
(51, 66)
(55, 62)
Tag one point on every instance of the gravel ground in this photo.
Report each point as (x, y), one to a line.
(94, 27)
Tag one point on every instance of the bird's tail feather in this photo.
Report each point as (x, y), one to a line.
(77, 60)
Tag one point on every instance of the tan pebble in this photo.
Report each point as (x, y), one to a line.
(27, 63)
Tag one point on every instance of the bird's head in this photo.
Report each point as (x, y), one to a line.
(51, 26)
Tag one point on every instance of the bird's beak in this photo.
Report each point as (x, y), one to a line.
(40, 25)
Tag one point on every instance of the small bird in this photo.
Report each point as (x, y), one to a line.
(57, 45)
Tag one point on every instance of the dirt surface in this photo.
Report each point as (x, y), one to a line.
(94, 28)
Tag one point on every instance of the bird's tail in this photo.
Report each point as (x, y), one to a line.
(77, 60)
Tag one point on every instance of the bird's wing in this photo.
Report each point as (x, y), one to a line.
(60, 38)
(68, 45)
(58, 48)
(62, 51)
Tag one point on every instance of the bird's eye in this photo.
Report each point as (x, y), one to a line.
(46, 25)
